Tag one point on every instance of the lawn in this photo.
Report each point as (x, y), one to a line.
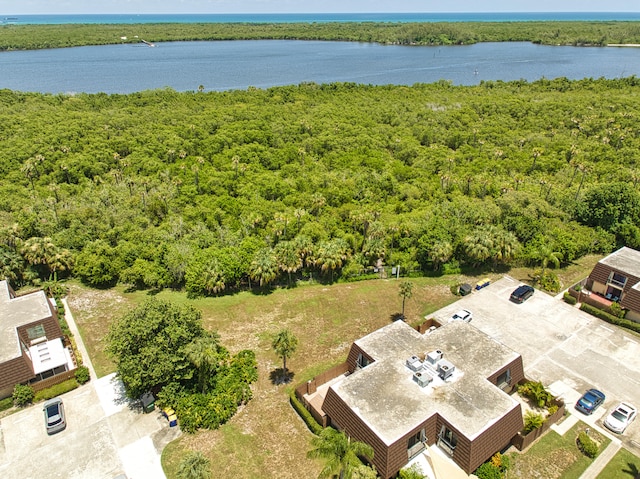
(624, 465)
(266, 439)
(554, 456)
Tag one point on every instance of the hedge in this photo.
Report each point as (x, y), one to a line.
(306, 416)
(569, 299)
(610, 318)
(56, 390)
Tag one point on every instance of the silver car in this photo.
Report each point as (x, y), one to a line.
(54, 418)
(620, 417)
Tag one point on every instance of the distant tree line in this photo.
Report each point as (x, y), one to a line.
(221, 191)
(28, 37)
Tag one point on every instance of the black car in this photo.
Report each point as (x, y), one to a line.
(590, 401)
(522, 293)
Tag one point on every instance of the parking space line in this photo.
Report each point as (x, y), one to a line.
(608, 329)
(630, 340)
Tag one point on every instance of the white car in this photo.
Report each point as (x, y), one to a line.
(620, 417)
(462, 315)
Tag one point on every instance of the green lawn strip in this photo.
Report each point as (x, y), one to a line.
(554, 456)
(624, 465)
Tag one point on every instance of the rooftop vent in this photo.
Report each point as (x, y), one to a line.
(414, 363)
(422, 378)
(434, 356)
(445, 369)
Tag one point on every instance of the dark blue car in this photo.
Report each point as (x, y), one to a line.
(590, 401)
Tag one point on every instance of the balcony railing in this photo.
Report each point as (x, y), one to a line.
(416, 449)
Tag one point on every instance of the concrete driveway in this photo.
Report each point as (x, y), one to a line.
(560, 345)
(106, 435)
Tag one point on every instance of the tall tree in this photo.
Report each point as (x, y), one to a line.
(341, 453)
(406, 291)
(284, 344)
(148, 344)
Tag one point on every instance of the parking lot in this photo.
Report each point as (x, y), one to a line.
(561, 346)
(106, 435)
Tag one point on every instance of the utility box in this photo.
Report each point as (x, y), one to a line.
(148, 402)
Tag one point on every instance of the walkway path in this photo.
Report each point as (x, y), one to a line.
(86, 360)
(602, 460)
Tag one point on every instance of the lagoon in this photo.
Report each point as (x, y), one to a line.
(231, 65)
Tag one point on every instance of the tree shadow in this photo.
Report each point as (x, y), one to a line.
(279, 376)
(633, 470)
(397, 317)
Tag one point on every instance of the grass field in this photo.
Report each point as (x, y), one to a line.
(266, 439)
(554, 456)
(624, 465)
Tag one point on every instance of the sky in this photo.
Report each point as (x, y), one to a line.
(12, 7)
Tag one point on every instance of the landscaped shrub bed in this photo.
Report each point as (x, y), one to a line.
(306, 416)
(609, 318)
(569, 299)
(587, 445)
(56, 390)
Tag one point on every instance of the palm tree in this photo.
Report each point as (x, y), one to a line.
(331, 255)
(547, 256)
(284, 344)
(440, 253)
(342, 454)
(406, 291)
(206, 354)
(264, 267)
(288, 258)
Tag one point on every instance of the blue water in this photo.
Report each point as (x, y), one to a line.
(230, 65)
(321, 17)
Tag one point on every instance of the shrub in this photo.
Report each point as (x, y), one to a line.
(488, 471)
(452, 267)
(587, 445)
(306, 416)
(569, 299)
(22, 395)
(56, 390)
(6, 403)
(82, 375)
(548, 281)
(195, 465)
(532, 420)
(536, 392)
(552, 409)
(617, 310)
(413, 472)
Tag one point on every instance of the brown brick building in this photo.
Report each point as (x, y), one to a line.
(617, 278)
(407, 390)
(31, 341)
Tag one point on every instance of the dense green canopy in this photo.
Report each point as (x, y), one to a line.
(216, 191)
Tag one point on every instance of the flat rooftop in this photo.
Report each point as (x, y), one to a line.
(385, 396)
(625, 259)
(15, 312)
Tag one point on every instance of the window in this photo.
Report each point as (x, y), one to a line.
(363, 361)
(416, 444)
(447, 440)
(617, 279)
(36, 332)
(504, 380)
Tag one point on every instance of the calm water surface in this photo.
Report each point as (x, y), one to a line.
(227, 65)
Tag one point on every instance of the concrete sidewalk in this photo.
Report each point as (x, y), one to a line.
(601, 461)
